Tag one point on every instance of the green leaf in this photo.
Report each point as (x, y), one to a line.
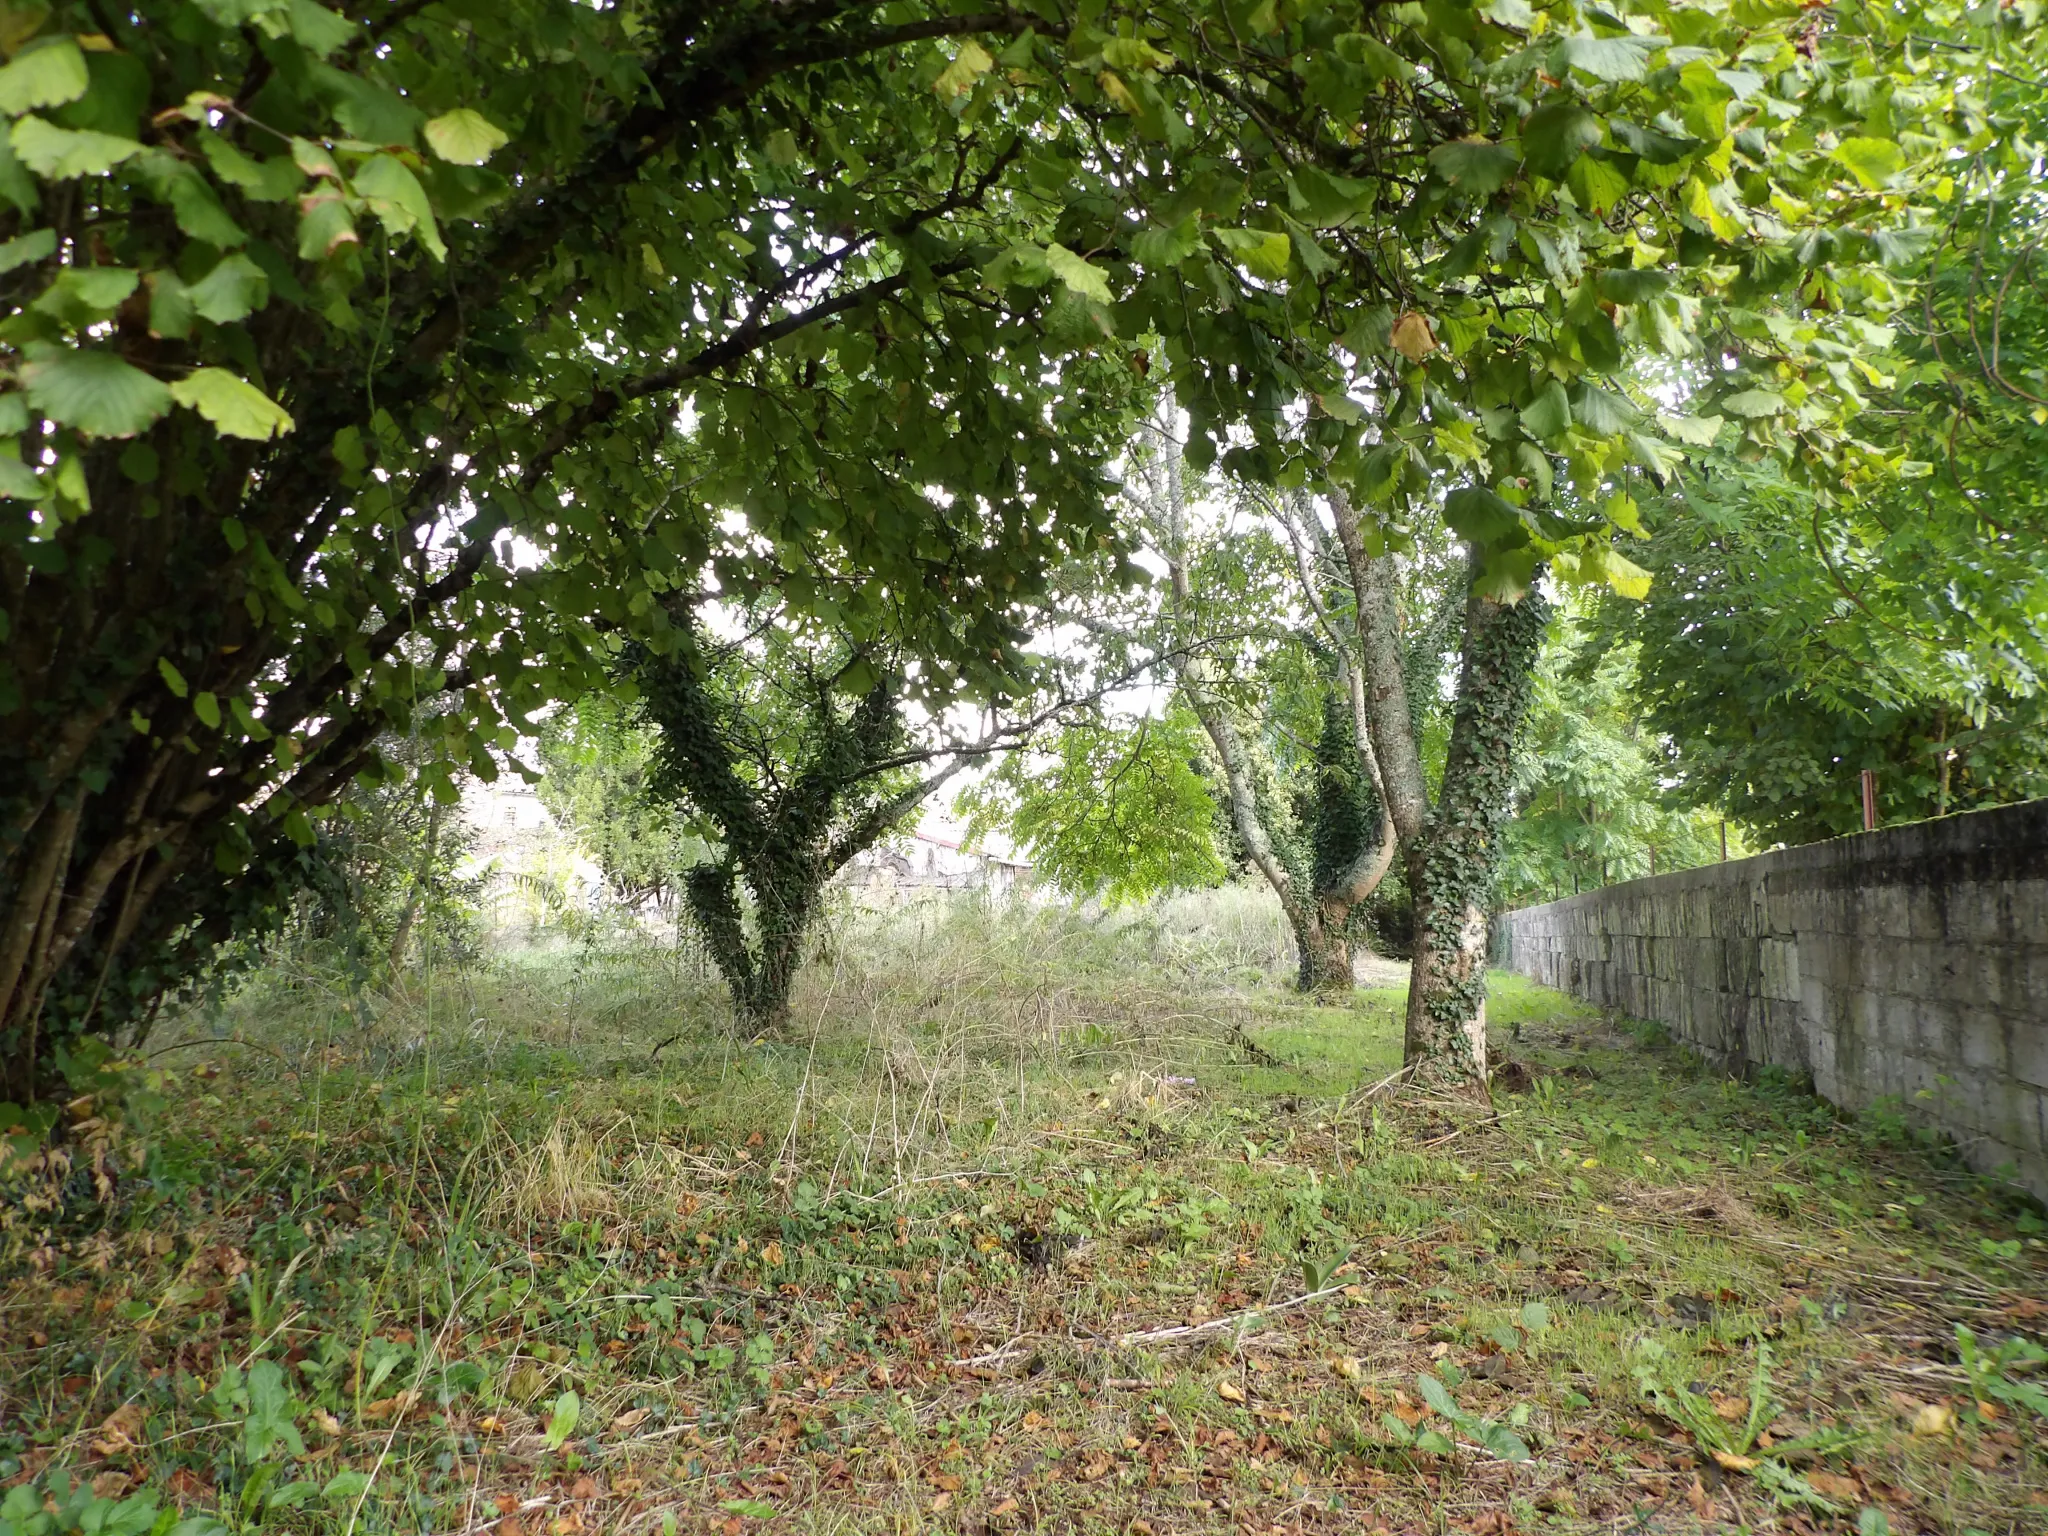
(1089, 281)
(173, 678)
(262, 181)
(207, 708)
(399, 201)
(1755, 402)
(320, 30)
(1872, 161)
(325, 225)
(753, 1509)
(192, 199)
(1549, 413)
(235, 407)
(466, 137)
(170, 306)
(234, 288)
(1156, 247)
(19, 481)
(43, 76)
(80, 296)
(968, 66)
(562, 1420)
(23, 250)
(1607, 58)
(1475, 166)
(1596, 183)
(58, 154)
(1699, 431)
(1480, 517)
(1602, 411)
(96, 392)
(1261, 252)
(16, 185)
(1556, 134)
(1535, 1316)
(1624, 285)
(1505, 574)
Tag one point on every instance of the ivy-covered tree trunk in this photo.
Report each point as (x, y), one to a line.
(1451, 865)
(1351, 836)
(789, 781)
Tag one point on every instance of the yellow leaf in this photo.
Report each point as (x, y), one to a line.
(1735, 1463)
(969, 65)
(1412, 336)
(1230, 1391)
(1934, 1419)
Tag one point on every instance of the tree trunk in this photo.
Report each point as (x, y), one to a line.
(422, 878)
(1451, 865)
(1451, 848)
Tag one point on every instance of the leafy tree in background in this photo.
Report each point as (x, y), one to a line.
(1118, 811)
(1776, 686)
(596, 757)
(1590, 805)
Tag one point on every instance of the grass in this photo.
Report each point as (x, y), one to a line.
(1027, 1224)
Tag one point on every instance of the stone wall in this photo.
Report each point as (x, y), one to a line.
(1908, 964)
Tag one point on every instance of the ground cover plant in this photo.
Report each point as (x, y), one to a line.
(1026, 1223)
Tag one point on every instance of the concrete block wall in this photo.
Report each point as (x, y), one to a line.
(1908, 964)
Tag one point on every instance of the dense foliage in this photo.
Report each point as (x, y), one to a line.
(1591, 804)
(595, 758)
(441, 345)
(1114, 810)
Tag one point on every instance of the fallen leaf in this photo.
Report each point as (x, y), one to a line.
(947, 1481)
(1833, 1485)
(1934, 1419)
(1007, 1507)
(1735, 1463)
(1230, 1391)
(584, 1488)
(1733, 1409)
(942, 1502)
(328, 1424)
(632, 1418)
(120, 1428)
(506, 1503)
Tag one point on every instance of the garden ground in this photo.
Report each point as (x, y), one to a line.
(1027, 1224)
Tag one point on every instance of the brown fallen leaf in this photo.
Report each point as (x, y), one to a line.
(1230, 1391)
(119, 1429)
(942, 1502)
(1832, 1485)
(948, 1482)
(1735, 1463)
(631, 1419)
(1006, 1507)
(1733, 1409)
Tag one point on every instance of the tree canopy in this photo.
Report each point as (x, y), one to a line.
(440, 346)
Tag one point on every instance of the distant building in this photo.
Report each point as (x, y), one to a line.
(928, 861)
